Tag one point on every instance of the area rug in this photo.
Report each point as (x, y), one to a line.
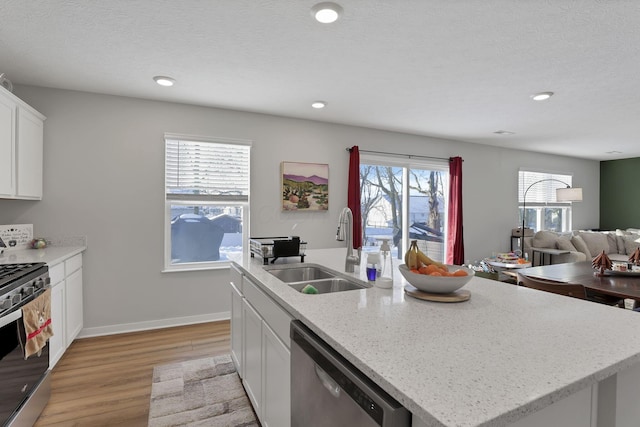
(203, 392)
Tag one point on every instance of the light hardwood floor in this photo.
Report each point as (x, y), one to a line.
(106, 381)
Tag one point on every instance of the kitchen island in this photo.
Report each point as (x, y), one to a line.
(508, 356)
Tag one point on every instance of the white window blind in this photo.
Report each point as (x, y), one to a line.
(542, 192)
(206, 201)
(206, 170)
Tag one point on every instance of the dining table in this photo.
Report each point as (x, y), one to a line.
(616, 283)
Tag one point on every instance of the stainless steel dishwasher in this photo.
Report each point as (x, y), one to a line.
(328, 391)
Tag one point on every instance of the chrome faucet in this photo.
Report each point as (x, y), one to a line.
(345, 231)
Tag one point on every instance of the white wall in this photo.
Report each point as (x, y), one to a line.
(103, 174)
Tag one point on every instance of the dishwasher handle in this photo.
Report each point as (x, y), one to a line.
(327, 381)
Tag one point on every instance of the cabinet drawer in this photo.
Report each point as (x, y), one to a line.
(72, 264)
(236, 278)
(56, 273)
(274, 315)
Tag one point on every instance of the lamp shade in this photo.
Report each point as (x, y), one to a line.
(569, 194)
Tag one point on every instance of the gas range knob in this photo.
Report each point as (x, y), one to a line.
(6, 303)
(27, 290)
(16, 298)
(39, 283)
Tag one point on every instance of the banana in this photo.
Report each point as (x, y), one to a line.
(415, 258)
(423, 258)
(411, 259)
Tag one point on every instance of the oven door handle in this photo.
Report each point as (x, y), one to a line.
(11, 317)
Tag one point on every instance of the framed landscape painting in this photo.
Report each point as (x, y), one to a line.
(305, 186)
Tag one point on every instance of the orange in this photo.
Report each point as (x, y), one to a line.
(435, 273)
(431, 268)
(459, 273)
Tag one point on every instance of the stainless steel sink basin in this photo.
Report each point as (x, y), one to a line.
(298, 274)
(325, 286)
(324, 279)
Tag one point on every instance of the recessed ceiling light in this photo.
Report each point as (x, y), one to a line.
(319, 104)
(164, 80)
(614, 152)
(542, 96)
(504, 132)
(326, 12)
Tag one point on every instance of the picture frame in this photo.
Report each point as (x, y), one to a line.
(304, 186)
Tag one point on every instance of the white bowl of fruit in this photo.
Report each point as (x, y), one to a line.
(428, 275)
(435, 279)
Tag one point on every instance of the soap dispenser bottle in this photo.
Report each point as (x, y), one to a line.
(373, 266)
(386, 271)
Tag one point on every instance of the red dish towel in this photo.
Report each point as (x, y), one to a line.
(36, 319)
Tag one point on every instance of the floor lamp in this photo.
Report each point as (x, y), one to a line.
(567, 194)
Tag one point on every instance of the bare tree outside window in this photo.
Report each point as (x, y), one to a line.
(382, 189)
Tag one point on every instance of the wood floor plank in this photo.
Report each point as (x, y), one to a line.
(106, 381)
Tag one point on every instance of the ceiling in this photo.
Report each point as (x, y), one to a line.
(454, 69)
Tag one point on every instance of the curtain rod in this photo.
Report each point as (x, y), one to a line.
(403, 155)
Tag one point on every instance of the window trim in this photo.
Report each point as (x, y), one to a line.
(188, 200)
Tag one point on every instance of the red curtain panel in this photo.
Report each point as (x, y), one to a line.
(353, 195)
(455, 243)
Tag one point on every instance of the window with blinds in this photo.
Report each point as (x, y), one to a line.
(543, 211)
(206, 201)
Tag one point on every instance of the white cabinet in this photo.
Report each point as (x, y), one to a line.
(7, 137)
(29, 142)
(21, 149)
(236, 319)
(66, 305)
(252, 340)
(74, 306)
(57, 343)
(275, 380)
(264, 350)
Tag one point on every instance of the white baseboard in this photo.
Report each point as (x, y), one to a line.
(152, 324)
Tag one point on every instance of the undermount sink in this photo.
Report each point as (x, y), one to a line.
(298, 274)
(323, 279)
(325, 286)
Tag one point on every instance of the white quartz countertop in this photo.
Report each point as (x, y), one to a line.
(51, 255)
(506, 353)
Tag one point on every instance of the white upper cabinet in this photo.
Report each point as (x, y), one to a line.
(7, 136)
(21, 149)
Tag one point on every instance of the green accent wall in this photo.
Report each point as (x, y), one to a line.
(620, 194)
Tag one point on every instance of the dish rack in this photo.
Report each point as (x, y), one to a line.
(272, 248)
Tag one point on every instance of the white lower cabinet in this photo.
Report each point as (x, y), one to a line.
(236, 319)
(57, 343)
(265, 357)
(66, 305)
(252, 340)
(275, 380)
(74, 306)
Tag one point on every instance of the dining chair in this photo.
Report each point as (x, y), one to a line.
(569, 289)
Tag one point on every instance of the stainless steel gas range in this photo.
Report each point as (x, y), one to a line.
(24, 383)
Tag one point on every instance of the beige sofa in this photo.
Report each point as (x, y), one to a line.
(585, 245)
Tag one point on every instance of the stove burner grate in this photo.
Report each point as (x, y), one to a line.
(10, 273)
